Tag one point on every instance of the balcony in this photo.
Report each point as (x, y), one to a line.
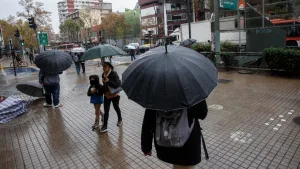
(176, 11)
(177, 22)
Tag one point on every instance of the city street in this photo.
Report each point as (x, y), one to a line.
(253, 122)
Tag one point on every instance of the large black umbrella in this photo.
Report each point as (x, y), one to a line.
(32, 88)
(166, 81)
(188, 42)
(53, 61)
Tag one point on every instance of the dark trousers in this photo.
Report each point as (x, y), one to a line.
(132, 57)
(107, 103)
(52, 91)
(83, 67)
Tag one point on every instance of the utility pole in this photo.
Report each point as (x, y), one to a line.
(263, 12)
(188, 7)
(217, 31)
(165, 19)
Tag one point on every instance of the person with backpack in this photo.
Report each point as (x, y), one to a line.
(76, 60)
(177, 135)
(96, 93)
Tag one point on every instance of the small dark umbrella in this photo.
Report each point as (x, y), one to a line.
(31, 88)
(166, 81)
(53, 61)
(188, 42)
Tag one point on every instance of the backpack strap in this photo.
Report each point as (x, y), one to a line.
(204, 145)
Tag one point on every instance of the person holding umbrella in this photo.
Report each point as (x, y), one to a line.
(77, 62)
(172, 83)
(111, 82)
(52, 63)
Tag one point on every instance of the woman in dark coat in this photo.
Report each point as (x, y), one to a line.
(110, 79)
(184, 157)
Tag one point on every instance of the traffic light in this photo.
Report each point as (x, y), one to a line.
(100, 33)
(22, 43)
(32, 23)
(17, 33)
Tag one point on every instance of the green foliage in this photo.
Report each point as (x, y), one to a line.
(283, 59)
(71, 29)
(227, 46)
(201, 47)
(132, 18)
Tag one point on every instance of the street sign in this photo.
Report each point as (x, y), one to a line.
(228, 4)
(43, 37)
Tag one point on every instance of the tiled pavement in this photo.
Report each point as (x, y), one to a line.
(249, 125)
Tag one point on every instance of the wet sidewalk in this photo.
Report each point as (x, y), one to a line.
(251, 124)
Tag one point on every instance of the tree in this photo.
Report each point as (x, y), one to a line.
(28, 34)
(71, 29)
(36, 10)
(114, 26)
(132, 17)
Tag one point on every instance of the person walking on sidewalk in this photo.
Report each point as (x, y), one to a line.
(132, 54)
(82, 62)
(186, 156)
(96, 93)
(76, 60)
(50, 82)
(31, 58)
(111, 80)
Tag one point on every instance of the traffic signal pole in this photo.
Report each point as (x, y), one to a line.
(217, 31)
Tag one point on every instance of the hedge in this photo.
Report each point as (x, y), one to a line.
(282, 59)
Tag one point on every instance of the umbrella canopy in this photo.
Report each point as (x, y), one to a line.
(168, 81)
(188, 42)
(78, 50)
(31, 88)
(53, 61)
(102, 51)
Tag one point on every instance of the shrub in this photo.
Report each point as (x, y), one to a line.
(282, 59)
(201, 47)
(227, 46)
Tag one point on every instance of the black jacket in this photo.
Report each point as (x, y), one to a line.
(190, 153)
(114, 81)
(99, 88)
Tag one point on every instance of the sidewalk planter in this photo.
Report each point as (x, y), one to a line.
(282, 59)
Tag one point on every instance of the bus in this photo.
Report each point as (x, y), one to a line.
(292, 29)
(67, 47)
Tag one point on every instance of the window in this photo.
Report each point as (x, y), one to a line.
(170, 28)
(169, 17)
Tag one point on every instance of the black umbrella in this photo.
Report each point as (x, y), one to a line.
(188, 42)
(31, 88)
(167, 81)
(53, 61)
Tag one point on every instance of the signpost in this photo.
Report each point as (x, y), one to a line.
(43, 37)
(228, 4)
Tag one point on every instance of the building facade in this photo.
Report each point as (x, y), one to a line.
(92, 18)
(152, 15)
(66, 7)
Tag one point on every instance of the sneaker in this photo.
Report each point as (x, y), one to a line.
(103, 129)
(58, 106)
(96, 124)
(120, 122)
(47, 105)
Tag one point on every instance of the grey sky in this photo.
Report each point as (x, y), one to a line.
(11, 7)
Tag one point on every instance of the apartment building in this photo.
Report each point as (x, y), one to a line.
(66, 7)
(152, 18)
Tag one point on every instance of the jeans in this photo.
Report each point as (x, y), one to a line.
(107, 103)
(132, 57)
(77, 67)
(52, 90)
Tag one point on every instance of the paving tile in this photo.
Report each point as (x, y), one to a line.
(236, 135)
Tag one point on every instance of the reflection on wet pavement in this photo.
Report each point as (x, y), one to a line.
(239, 130)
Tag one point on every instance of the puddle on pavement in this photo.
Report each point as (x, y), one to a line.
(241, 137)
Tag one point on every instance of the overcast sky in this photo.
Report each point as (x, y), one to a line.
(11, 7)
